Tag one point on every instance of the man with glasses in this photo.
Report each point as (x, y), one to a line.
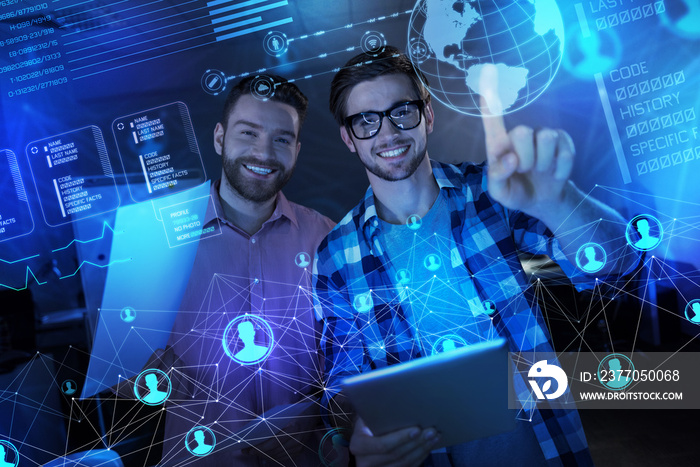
(428, 246)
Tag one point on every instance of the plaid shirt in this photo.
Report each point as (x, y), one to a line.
(351, 263)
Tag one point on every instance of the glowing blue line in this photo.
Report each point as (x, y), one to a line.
(249, 12)
(233, 7)
(245, 13)
(96, 265)
(612, 126)
(104, 228)
(255, 29)
(18, 260)
(114, 31)
(106, 15)
(144, 60)
(26, 281)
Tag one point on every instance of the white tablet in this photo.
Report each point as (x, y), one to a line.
(463, 393)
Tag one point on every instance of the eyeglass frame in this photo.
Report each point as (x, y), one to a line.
(420, 103)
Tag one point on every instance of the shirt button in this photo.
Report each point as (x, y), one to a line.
(252, 240)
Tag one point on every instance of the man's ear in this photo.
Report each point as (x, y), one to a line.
(347, 139)
(429, 116)
(219, 134)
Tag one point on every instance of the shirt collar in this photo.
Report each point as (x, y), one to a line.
(445, 176)
(283, 208)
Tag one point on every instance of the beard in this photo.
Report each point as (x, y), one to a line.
(402, 172)
(255, 190)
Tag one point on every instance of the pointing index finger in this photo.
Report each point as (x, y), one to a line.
(497, 140)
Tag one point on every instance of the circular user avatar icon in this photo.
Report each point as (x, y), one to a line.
(9, 455)
(200, 441)
(128, 314)
(489, 307)
(333, 450)
(275, 43)
(644, 232)
(302, 259)
(591, 53)
(432, 262)
(363, 302)
(414, 222)
(263, 87)
(692, 311)
(214, 82)
(152, 386)
(69, 387)
(418, 50)
(403, 276)
(682, 17)
(591, 257)
(615, 371)
(373, 43)
(248, 339)
(447, 343)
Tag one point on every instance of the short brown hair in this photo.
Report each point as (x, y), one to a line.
(284, 92)
(364, 67)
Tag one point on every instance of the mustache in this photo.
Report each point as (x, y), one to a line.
(393, 144)
(271, 163)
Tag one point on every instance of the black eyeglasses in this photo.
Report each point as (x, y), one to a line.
(404, 116)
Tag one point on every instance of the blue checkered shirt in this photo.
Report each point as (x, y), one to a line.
(351, 262)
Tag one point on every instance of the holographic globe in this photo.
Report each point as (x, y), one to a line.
(453, 42)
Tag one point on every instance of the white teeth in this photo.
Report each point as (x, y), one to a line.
(258, 170)
(394, 153)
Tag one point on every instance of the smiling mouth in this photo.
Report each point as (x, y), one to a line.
(258, 170)
(393, 153)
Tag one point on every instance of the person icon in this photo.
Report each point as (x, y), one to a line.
(69, 387)
(616, 380)
(340, 455)
(684, 19)
(414, 222)
(202, 448)
(432, 262)
(647, 242)
(154, 395)
(403, 277)
(696, 309)
(692, 311)
(363, 302)
(128, 314)
(592, 264)
(448, 344)
(251, 351)
(489, 307)
(3, 455)
(593, 60)
(303, 259)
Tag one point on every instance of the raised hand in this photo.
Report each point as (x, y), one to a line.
(528, 168)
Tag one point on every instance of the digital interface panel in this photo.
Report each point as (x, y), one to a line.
(110, 196)
(62, 166)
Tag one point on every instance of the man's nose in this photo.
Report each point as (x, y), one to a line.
(388, 130)
(262, 147)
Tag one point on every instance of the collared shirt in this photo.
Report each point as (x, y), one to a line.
(264, 279)
(364, 311)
